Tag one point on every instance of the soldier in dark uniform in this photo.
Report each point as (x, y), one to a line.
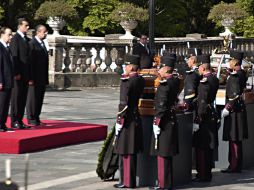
(205, 138)
(192, 79)
(164, 142)
(235, 128)
(142, 49)
(128, 127)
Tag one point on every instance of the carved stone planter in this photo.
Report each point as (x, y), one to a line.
(56, 23)
(128, 26)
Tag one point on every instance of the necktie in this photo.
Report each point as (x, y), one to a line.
(147, 49)
(44, 47)
(8, 50)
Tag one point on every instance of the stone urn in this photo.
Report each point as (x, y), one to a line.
(227, 23)
(57, 24)
(128, 26)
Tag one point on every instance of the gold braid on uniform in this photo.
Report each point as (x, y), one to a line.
(99, 169)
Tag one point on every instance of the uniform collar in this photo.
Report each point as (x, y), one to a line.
(238, 68)
(192, 69)
(133, 74)
(126, 77)
(207, 74)
(164, 80)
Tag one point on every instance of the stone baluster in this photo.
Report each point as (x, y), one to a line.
(77, 61)
(108, 59)
(98, 60)
(67, 60)
(72, 53)
(88, 60)
(83, 57)
(120, 60)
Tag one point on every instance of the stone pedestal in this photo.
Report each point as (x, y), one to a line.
(56, 50)
(182, 163)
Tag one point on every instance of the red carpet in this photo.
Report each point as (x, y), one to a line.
(52, 134)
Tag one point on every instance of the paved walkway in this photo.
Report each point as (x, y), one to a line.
(73, 167)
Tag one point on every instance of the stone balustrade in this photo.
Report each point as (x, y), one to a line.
(75, 58)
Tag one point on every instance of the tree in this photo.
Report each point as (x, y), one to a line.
(246, 27)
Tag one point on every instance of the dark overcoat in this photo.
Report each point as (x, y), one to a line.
(235, 125)
(130, 141)
(207, 135)
(165, 99)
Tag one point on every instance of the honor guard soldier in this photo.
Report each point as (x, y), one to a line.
(235, 128)
(205, 138)
(191, 80)
(164, 143)
(128, 129)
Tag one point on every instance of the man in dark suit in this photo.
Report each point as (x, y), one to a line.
(6, 77)
(144, 52)
(38, 58)
(19, 50)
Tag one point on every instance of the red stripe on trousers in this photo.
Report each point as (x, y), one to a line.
(234, 155)
(126, 170)
(161, 175)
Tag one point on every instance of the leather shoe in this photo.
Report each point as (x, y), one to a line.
(121, 186)
(23, 126)
(15, 125)
(229, 170)
(200, 180)
(5, 129)
(33, 122)
(159, 188)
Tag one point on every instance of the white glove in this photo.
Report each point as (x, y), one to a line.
(118, 128)
(195, 127)
(224, 113)
(156, 130)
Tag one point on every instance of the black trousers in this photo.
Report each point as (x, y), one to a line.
(18, 100)
(204, 163)
(5, 97)
(35, 101)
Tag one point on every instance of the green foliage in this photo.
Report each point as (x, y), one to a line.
(248, 27)
(1, 13)
(128, 11)
(97, 20)
(57, 8)
(106, 144)
(226, 11)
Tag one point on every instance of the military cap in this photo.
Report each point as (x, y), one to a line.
(168, 61)
(236, 55)
(194, 52)
(6, 186)
(131, 59)
(201, 59)
(173, 55)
